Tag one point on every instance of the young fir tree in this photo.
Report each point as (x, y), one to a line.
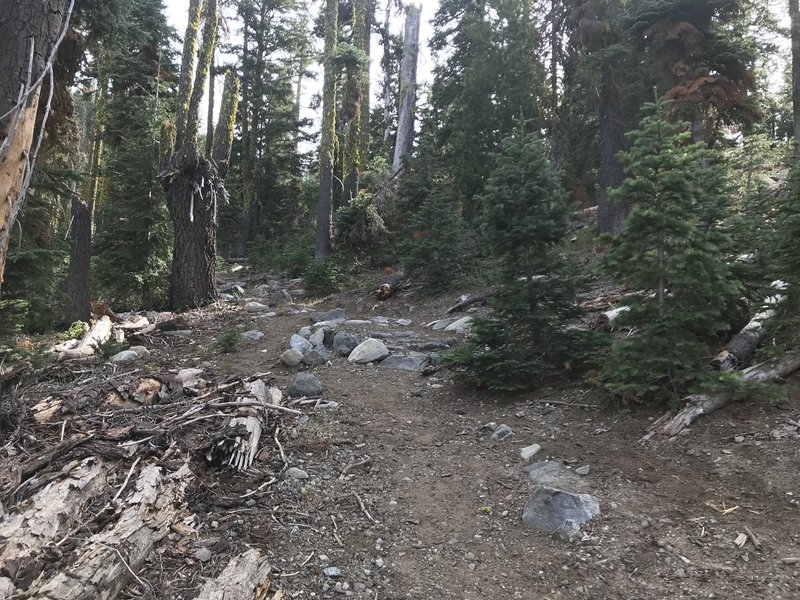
(527, 336)
(669, 252)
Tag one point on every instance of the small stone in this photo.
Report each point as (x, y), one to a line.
(739, 439)
(528, 452)
(332, 315)
(370, 350)
(502, 433)
(470, 556)
(140, 350)
(125, 357)
(295, 473)
(460, 326)
(332, 572)
(292, 358)
(557, 512)
(344, 343)
(305, 332)
(584, 470)
(318, 337)
(188, 377)
(305, 384)
(404, 322)
(203, 554)
(300, 344)
(226, 297)
(255, 307)
(414, 363)
(680, 573)
(318, 355)
(379, 562)
(251, 337)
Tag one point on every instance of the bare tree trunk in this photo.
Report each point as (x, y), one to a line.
(210, 113)
(387, 77)
(404, 143)
(28, 33)
(366, 99)
(794, 13)
(610, 215)
(79, 279)
(324, 245)
(356, 78)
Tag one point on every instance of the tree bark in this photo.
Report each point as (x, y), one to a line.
(387, 79)
(404, 143)
(366, 99)
(79, 279)
(794, 14)
(356, 80)
(240, 580)
(96, 335)
(610, 215)
(28, 33)
(324, 245)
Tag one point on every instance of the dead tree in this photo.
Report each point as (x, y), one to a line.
(404, 143)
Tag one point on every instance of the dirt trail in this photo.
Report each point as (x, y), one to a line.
(408, 497)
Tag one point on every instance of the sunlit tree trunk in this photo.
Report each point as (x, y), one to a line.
(404, 143)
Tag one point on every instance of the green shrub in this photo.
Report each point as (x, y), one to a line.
(322, 277)
(227, 341)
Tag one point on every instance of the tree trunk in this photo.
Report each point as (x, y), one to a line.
(22, 23)
(366, 99)
(356, 78)
(610, 215)
(210, 112)
(240, 580)
(387, 79)
(404, 143)
(79, 279)
(192, 196)
(324, 245)
(794, 14)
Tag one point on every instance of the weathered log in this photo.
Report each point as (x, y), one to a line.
(466, 301)
(389, 284)
(742, 345)
(244, 578)
(98, 334)
(46, 517)
(605, 320)
(703, 404)
(108, 561)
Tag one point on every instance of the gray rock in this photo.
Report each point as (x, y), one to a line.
(203, 554)
(357, 322)
(344, 343)
(140, 350)
(318, 337)
(262, 290)
(295, 473)
(251, 337)
(305, 332)
(502, 433)
(528, 452)
(226, 297)
(413, 363)
(236, 288)
(298, 293)
(305, 384)
(332, 572)
(460, 326)
(300, 344)
(370, 350)
(337, 314)
(557, 512)
(125, 357)
(553, 473)
(318, 355)
(404, 322)
(292, 358)
(281, 298)
(429, 346)
(584, 470)
(254, 307)
(442, 324)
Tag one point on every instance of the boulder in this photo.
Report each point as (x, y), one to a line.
(281, 298)
(370, 350)
(460, 326)
(553, 473)
(413, 363)
(251, 337)
(318, 337)
(300, 344)
(318, 355)
(502, 433)
(344, 343)
(560, 513)
(254, 307)
(292, 358)
(337, 314)
(140, 350)
(305, 332)
(304, 384)
(125, 357)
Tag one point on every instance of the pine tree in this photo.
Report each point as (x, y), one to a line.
(669, 253)
(527, 337)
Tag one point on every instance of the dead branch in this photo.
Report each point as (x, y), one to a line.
(245, 578)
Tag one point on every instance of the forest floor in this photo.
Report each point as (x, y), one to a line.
(432, 508)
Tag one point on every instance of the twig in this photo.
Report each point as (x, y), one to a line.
(127, 479)
(565, 403)
(363, 508)
(310, 556)
(259, 488)
(351, 466)
(280, 447)
(752, 536)
(258, 403)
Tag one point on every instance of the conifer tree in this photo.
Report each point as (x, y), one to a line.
(669, 253)
(527, 336)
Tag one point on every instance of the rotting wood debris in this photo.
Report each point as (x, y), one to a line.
(96, 473)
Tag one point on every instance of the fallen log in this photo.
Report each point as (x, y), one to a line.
(98, 334)
(46, 517)
(108, 561)
(703, 404)
(742, 345)
(244, 578)
(466, 301)
(605, 320)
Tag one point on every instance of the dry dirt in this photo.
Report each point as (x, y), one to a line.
(442, 503)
